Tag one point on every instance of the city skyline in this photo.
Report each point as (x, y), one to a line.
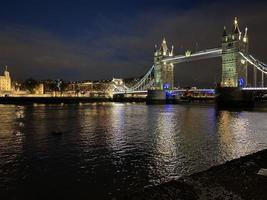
(133, 99)
(49, 42)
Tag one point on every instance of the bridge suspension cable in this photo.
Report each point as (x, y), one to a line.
(256, 63)
(262, 67)
(144, 83)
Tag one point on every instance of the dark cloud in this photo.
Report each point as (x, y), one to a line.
(123, 46)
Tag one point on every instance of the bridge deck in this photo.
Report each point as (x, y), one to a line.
(210, 53)
(193, 90)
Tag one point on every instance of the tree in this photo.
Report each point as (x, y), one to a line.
(57, 85)
(30, 85)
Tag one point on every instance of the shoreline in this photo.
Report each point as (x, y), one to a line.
(77, 100)
(236, 179)
(59, 100)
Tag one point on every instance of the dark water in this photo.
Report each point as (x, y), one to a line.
(109, 150)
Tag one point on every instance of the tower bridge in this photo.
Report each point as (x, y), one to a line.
(236, 61)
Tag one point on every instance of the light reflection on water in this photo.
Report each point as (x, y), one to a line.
(111, 149)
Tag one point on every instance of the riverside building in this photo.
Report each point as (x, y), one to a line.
(5, 82)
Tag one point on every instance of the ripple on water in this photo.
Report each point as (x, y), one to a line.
(112, 149)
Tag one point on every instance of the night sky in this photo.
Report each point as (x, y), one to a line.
(90, 40)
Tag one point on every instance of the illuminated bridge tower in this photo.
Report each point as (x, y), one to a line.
(234, 68)
(163, 72)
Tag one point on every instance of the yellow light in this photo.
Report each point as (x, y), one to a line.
(187, 53)
(236, 22)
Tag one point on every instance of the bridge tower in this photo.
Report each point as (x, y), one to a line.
(234, 68)
(163, 72)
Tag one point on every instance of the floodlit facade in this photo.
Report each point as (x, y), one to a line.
(5, 82)
(39, 89)
(234, 68)
(163, 72)
(118, 81)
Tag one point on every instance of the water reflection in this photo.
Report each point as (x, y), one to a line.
(165, 145)
(11, 143)
(117, 126)
(235, 133)
(110, 149)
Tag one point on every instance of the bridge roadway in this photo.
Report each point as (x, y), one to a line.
(209, 91)
(200, 55)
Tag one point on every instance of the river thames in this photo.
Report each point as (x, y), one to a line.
(108, 150)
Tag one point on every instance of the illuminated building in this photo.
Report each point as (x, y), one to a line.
(39, 89)
(163, 72)
(118, 81)
(234, 68)
(5, 81)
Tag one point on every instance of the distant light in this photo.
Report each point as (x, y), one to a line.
(187, 53)
(241, 82)
(236, 22)
(166, 86)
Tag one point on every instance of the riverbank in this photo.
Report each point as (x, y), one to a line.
(77, 100)
(237, 179)
(65, 100)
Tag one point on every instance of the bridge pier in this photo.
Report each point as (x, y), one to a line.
(160, 97)
(156, 97)
(234, 97)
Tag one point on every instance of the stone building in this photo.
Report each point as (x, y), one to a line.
(163, 72)
(234, 68)
(39, 89)
(5, 82)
